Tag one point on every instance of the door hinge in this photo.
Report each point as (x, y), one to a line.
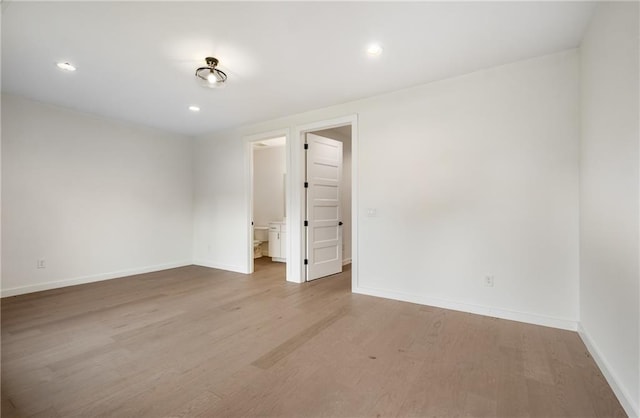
(306, 185)
(306, 146)
(306, 261)
(306, 223)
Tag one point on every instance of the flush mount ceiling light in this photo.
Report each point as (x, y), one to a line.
(194, 108)
(210, 76)
(65, 66)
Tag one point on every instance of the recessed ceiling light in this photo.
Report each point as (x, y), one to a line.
(194, 108)
(374, 50)
(66, 66)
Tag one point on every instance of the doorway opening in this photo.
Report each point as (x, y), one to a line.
(268, 202)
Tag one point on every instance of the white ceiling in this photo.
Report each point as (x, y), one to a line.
(136, 60)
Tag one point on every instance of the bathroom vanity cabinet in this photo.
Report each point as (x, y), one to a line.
(278, 241)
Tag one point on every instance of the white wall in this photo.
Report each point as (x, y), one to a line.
(93, 197)
(471, 176)
(220, 205)
(269, 167)
(609, 210)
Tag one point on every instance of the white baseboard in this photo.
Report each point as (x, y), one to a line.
(221, 266)
(528, 318)
(346, 261)
(20, 290)
(621, 393)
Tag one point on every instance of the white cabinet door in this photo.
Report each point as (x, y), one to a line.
(277, 241)
(274, 244)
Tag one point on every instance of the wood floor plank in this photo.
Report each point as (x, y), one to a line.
(200, 342)
(287, 347)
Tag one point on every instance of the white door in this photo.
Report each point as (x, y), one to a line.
(324, 230)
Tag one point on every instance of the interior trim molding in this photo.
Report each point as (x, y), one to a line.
(525, 317)
(14, 291)
(621, 393)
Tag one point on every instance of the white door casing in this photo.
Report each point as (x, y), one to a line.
(324, 230)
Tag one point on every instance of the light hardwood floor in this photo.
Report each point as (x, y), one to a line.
(195, 341)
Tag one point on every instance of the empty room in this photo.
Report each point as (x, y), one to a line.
(320, 209)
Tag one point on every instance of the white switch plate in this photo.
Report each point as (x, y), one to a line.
(40, 263)
(372, 212)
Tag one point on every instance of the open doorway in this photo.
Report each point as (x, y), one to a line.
(268, 160)
(297, 213)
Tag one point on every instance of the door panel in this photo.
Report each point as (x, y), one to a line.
(324, 235)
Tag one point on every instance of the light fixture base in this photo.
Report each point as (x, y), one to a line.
(211, 61)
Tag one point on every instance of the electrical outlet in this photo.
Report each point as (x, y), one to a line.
(488, 281)
(372, 212)
(40, 263)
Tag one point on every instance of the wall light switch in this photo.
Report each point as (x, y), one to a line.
(40, 263)
(371, 212)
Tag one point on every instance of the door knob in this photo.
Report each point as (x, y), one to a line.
(340, 223)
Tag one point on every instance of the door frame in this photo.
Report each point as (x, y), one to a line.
(296, 271)
(248, 152)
